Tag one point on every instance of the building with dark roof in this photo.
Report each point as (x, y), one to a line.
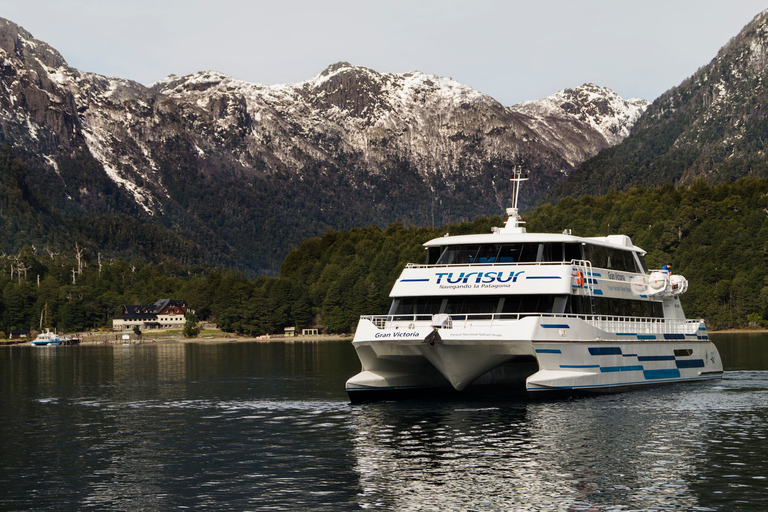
(163, 314)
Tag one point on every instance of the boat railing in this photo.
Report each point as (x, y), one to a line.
(608, 323)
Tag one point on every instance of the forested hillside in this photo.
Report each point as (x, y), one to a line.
(715, 235)
(29, 216)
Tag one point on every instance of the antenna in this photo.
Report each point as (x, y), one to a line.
(516, 179)
(513, 224)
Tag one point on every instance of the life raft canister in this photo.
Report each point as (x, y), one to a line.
(658, 281)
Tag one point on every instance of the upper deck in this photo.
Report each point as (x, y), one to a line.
(611, 252)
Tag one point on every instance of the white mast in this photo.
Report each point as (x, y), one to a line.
(513, 224)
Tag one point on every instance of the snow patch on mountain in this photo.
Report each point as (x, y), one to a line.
(582, 121)
(598, 107)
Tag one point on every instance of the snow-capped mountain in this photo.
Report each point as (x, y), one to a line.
(582, 121)
(257, 168)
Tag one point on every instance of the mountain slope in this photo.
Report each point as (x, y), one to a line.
(246, 171)
(713, 125)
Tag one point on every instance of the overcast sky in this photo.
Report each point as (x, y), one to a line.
(511, 50)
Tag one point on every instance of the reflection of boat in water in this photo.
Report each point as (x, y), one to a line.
(534, 455)
(47, 339)
(535, 312)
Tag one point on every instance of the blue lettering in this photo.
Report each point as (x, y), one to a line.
(512, 277)
(499, 279)
(458, 279)
(441, 275)
(488, 277)
(466, 278)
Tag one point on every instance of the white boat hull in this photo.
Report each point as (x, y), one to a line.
(571, 355)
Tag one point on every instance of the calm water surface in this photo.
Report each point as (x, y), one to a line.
(254, 426)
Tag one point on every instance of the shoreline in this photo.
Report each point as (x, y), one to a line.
(225, 339)
(216, 339)
(172, 339)
(740, 331)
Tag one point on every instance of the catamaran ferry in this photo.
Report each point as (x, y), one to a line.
(546, 313)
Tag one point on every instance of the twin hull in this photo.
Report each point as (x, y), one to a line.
(535, 353)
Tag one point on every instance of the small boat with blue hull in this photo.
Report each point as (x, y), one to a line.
(543, 313)
(47, 339)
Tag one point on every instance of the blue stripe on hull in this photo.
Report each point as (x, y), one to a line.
(655, 358)
(665, 373)
(608, 369)
(690, 363)
(605, 351)
(623, 384)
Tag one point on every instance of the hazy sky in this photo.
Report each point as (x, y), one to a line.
(512, 50)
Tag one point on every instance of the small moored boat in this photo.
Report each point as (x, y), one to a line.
(47, 339)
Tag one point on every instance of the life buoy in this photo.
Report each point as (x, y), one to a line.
(580, 278)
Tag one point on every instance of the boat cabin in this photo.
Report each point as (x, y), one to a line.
(612, 253)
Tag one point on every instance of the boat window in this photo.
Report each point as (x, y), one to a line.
(470, 305)
(533, 252)
(526, 253)
(465, 305)
(416, 306)
(581, 305)
(611, 258)
(573, 252)
(641, 261)
(528, 304)
(488, 253)
(455, 254)
(433, 254)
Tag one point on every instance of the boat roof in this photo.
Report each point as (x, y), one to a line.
(618, 241)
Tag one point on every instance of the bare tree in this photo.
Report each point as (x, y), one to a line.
(15, 270)
(21, 268)
(79, 251)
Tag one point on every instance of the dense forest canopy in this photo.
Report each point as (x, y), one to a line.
(715, 235)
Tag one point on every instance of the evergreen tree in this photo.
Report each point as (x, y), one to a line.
(191, 329)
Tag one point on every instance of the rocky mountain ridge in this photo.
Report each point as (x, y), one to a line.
(250, 170)
(711, 126)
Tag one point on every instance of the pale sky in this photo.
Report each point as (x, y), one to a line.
(511, 50)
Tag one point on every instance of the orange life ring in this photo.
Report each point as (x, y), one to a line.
(580, 278)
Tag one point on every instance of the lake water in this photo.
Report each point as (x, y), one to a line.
(267, 426)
